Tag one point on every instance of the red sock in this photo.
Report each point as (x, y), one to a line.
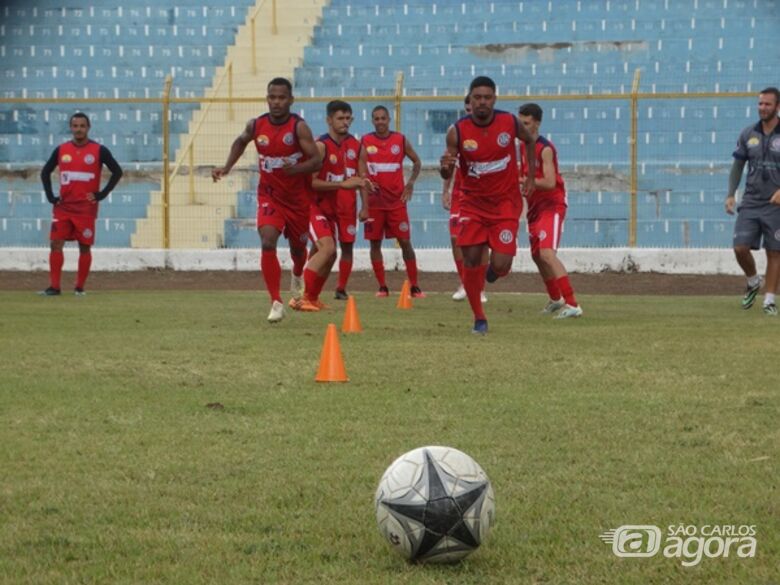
(298, 262)
(552, 289)
(473, 282)
(459, 266)
(272, 274)
(379, 272)
(411, 271)
(85, 262)
(56, 260)
(567, 291)
(345, 269)
(313, 284)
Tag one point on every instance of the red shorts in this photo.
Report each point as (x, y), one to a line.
(346, 215)
(321, 225)
(545, 227)
(391, 223)
(293, 224)
(67, 226)
(499, 234)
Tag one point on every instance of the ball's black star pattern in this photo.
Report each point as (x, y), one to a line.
(441, 513)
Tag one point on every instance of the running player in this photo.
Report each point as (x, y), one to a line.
(75, 210)
(483, 146)
(287, 155)
(546, 212)
(382, 154)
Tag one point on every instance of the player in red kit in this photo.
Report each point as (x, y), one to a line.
(483, 146)
(546, 211)
(287, 156)
(323, 212)
(80, 162)
(382, 155)
(346, 210)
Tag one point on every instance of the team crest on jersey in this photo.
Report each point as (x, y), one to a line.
(289, 139)
(87, 233)
(351, 230)
(351, 155)
(371, 149)
(503, 139)
(506, 237)
(395, 149)
(333, 159)
(262, 140)
(753, 141)
(89, 159)
(470, 145)
(403, 226)
(775, 144)
(66, 158)
(777, 235)
(542, 236)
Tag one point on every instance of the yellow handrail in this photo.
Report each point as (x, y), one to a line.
(399, 92)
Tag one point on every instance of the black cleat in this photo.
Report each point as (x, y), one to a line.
(341, 295)
(751, 292)
(491, 275)
(79, 292)
(49, 292)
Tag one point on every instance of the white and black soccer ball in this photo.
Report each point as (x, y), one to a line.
(435, 504)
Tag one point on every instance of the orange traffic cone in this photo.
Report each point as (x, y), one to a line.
(405, 300)
(351, 323)
(331, 362)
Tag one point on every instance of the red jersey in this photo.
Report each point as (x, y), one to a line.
(80, 168)
(333, 170)
(488, 163)
(544, 197)
(277, 145)
(385, 161)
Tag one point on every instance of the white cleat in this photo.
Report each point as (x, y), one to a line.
(459, 294)
(568, 312)
(483, 297)
(296, 286)
(277, 312)
(553, 306)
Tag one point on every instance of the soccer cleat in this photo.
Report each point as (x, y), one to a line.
(49, 292)
(480, 327)
(568, 312)
(319, 304)
(490, 274)
(277, 312)
(296, 286)
(417, 293)
(459, 294)
(552, 306)
(770, 309)
(482, 297)
(341, 295)
(751, 292)
(79, 292)
(383, 292)
(304, 305)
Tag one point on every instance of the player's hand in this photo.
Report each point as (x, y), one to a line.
(775, 200)
(522, 185)
(408, 191)
(92, 197)
(370, 186)
(356, 183)
(363, 215)
(447, 161)
(731, 202)
(218, 173)
(446, 199)
(529, 186)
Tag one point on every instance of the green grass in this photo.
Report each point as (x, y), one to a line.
(655, 410)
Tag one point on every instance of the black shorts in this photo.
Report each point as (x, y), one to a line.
(755, 224)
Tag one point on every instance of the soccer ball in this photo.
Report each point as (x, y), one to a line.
(435, 504)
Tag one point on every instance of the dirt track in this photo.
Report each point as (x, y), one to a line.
(603, 283)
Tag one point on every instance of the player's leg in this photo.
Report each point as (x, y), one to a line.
(397, 222)
(298, 256)
(502, 239)
(747, 237)
(770, 221)
(320, 264)
(347, 229)
(374, 231)
(457, 257)
(85, 263)
(345, 268)
(474, 281)
(271, 269)
(56, 260)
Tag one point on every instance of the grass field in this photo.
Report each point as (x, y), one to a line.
(649, 410)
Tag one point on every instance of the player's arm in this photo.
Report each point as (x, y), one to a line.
(46, 172)
(236, 150)
(416, 168)
(313, 162)
(548, 169)
(363, 174)
(735, 176)
(352, 183)
(446, 192)
(450, 156)
(107, 159)
(530, 147)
